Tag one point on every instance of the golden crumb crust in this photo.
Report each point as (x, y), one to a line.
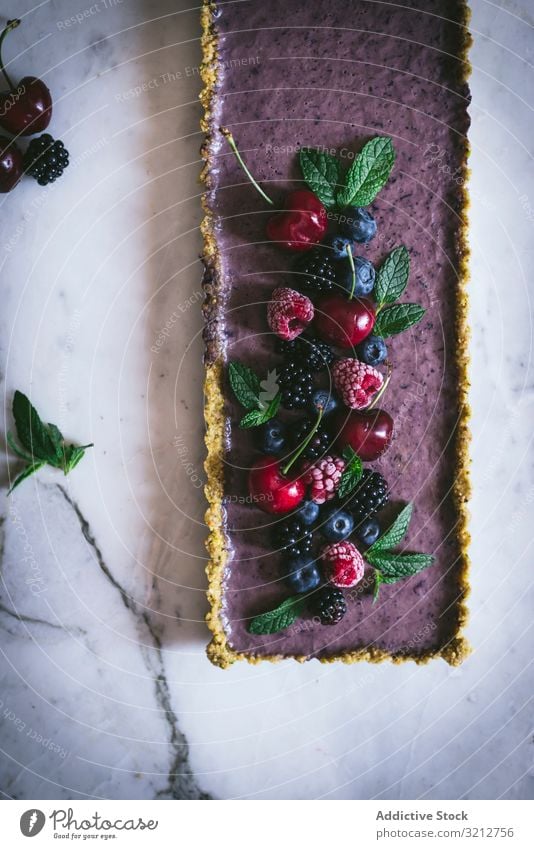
(219, 651)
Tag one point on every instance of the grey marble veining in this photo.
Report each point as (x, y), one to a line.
(105, 691)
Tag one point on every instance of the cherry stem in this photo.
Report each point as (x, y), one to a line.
(230, 139)
(8, 27)
(351, 262)
(382, 389)
(304, 443)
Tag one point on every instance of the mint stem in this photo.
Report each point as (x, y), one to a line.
(351, 262)
(230, 139)
(9, 26)
(382, 389)
(304, 443)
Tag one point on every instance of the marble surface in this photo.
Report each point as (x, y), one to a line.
(105, 691)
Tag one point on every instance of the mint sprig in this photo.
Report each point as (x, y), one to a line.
(395, 318)
(352, 473)
(42, 444)
(278, 619)
(368, 173)
(254, 394)
(321, 173)
(392, 276)
(390, 566)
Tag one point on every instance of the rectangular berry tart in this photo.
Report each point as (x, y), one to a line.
(336, 337)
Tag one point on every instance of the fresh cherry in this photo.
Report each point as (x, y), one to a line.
(368, 432)
(25, 109)
(270, 490)
(11, 167)
(344, 323)
(303, 223)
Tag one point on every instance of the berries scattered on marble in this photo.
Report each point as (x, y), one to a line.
(368, 531)
(271, 437)
(329, 605)
(336, 524)
(372, 350)
(371, 494)
(296, 386)
(45, 159)
(356, 382)
(318, 444)
(315, 271)
(323, 478)
(343, 564)
(313, 353)
(303, 574)
(293, 537)
(288, 313)
(358, 224)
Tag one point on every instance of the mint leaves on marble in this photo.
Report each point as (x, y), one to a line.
(278, 619)
(390, 566)
(391, 281)
(321, 172)
(42, 443)
(368, 174)
(351, 473)
(260, 398)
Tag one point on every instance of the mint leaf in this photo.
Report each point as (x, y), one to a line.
(396, 567)
(378, 582)
(32, 432)
(278, 619)
(392, 277)
(73, 455)
(351, 473)
(26, 472)
(321, 173)
(245, 383)
(16, 450)
(259, 417)
(368, 173)
(394, 535)
(396, 318)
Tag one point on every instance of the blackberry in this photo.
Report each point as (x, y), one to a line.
(319, 443)
(296, 385)
(45, 159)
(313, 353)
(329, 605)
(293, 537)
(315, 271)
(370, 496)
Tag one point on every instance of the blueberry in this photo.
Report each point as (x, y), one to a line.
(372, 350)
(323, 398)
(358, 224)
(338, 245)
(368, 532)
(307, 513)
(303, 574)
(365, 276)
(336, 525)
(271, 437)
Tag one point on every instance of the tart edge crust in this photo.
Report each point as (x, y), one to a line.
(219, 651)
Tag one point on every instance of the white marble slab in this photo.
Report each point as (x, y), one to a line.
(105, 690)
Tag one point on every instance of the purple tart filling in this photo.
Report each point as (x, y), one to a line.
(332, 76)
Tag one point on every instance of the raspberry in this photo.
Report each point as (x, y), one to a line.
(324, 477)
(343, 564)
(288, 313)
(296, 386)
(329, 605)
(356, 382)
(370, 496)
(312, 353)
